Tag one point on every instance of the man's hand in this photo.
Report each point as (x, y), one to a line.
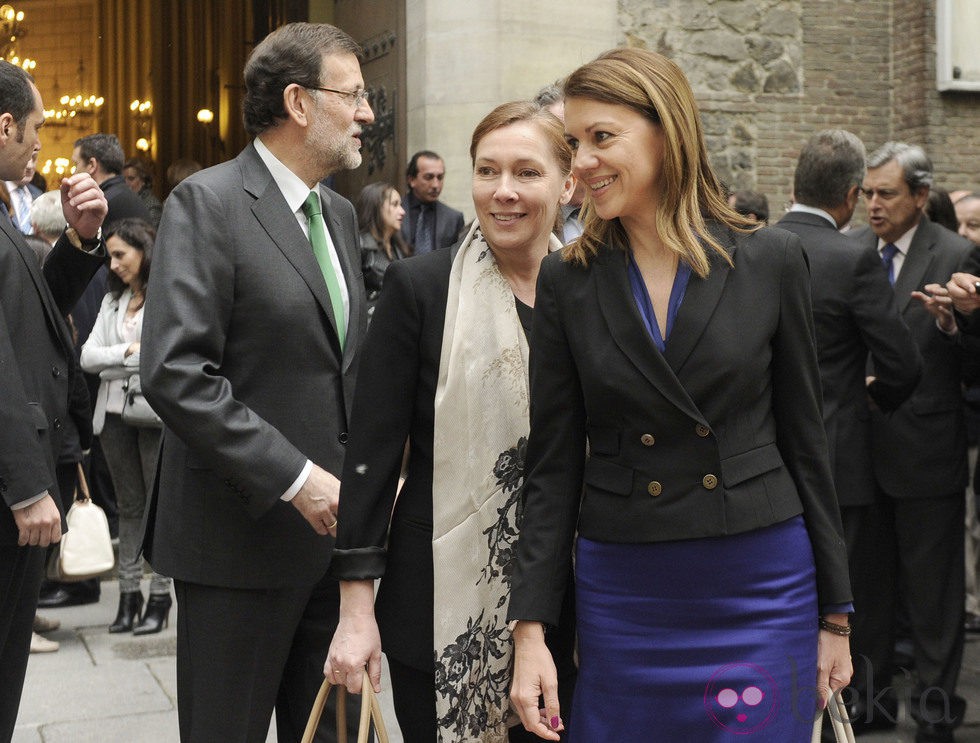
(963, 291)
(935, 299)
(318, 499)
(84, 204)
(39, 524)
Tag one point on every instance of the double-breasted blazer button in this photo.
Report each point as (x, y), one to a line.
(55, 372)
(702, 430)
(342, 438)
(647, 439)
(710, 482)
(655, 488)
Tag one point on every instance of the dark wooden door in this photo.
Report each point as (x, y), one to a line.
(379, 27)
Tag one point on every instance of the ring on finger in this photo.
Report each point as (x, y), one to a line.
(331, 526)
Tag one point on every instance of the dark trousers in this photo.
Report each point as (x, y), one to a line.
(21, 569)
(913, 548)
(241, 652)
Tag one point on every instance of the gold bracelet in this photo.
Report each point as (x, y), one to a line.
(844, 630)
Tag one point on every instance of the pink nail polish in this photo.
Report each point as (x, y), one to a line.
(555, 722)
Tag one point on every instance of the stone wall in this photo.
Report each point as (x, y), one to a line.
(769, 73)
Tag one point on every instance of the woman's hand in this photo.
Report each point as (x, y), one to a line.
(133, 348)
(357, 642)
(535, 676)
(834, 667)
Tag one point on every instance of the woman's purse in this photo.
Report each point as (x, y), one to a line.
(370, 712)
(838, 719)
(136, 410)
(85, 551)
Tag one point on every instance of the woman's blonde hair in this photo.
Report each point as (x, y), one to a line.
(656, 87)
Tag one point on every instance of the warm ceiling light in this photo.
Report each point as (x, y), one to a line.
(205, 115)
(142, 144)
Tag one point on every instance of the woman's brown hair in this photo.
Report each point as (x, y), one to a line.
(656, 87)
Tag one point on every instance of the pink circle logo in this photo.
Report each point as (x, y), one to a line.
(741, 698)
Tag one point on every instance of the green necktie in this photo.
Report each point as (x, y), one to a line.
(318, 238)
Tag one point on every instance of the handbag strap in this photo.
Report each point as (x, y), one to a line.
(82, 488)
(843, 733)
(370, 712)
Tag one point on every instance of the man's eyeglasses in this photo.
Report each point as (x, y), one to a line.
(352, 97)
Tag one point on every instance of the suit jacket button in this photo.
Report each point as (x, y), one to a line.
(55, 372)
(342, 437)
(57, 424)
(702, 430)
(655, 488)
(647, 439)
(710, 482)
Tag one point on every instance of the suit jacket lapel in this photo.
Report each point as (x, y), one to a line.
(55, 320)
(344, 241)
(700, 300)
(282, 227)
(628, 331)
(916, 264)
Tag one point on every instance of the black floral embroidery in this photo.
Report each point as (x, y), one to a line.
(465, 677)
(502, 536)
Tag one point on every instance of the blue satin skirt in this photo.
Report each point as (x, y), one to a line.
(701, 640)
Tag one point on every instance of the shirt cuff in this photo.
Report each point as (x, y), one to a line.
(28, 502)
(298, 483)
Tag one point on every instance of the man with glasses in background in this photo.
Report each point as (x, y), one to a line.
(254, 316)
(911, 544)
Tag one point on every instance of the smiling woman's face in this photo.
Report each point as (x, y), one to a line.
(518, 185)
(619, 156)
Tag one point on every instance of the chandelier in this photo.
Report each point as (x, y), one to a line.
(10, 31)
(75, 108)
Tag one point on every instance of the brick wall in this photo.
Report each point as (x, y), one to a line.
(769, 73)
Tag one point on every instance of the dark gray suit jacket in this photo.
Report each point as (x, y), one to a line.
(449, 223)
(721, 434)
(240, 357)
(855, 314)
(920, 449)
(37, 364)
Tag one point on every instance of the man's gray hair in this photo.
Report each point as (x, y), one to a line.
(916, 165)
(47, 215)
(831, 163)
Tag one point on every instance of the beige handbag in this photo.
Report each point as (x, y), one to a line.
(85, 551)
(838, 719)
(370, 712)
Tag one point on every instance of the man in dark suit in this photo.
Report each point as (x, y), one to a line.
(254, 315)
(429, 224)
(36, 372)
(912, 540)
(854, 313)
(102, 157)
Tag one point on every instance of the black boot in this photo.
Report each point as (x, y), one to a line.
(156, 616)
(130, 604)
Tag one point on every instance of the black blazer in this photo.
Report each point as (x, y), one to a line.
(123, 202)
(449, 223)
(37, 364)
(920, 450)
(240, 357)
(722, 434)
(401, 353)
(855, 313)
